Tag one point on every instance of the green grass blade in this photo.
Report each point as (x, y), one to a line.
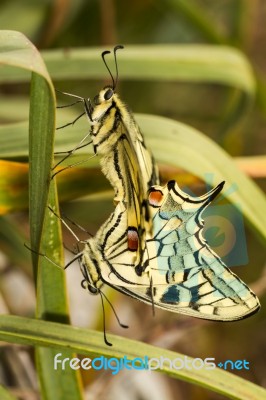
(17, 51)
(52, 305)
(196, 63)
(41, 139)
(180, 145)
(189, 63)
(88, 342)
(51, 293)
(193, 63)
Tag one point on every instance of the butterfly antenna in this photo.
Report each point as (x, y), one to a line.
(104, 327)
(112, 307)
(69, 249)
(116, 66)
(78, 256)
(85, 285)
(105, 63)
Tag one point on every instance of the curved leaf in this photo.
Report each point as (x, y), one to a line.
(88, 342)
(191, 63)
(17, 51)
(198, 63)
(177, 144)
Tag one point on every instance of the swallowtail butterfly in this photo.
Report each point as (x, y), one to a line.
(151, 247)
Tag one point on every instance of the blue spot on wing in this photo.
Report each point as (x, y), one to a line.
(171, 295)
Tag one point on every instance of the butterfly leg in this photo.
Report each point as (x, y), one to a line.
(88, 109)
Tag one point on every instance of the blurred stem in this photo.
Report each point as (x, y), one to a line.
(195, 14)
(261, 92)
(108, 25)
(56, 14)
(239, 22)
(12, 239)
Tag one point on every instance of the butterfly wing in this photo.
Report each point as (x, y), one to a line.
(182, 274)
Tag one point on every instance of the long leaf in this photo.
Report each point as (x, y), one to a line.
(88, 342)
(52, 306)
(17, 51)
(183, 146)
(41, 128)
(191, 63)
(14, 184)
(198, 63)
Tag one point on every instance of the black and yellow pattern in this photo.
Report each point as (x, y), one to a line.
(151, 247)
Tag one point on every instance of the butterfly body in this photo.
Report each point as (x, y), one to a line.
(119, 143)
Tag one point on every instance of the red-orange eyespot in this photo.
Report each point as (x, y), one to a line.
(132, 239)
(155, 198)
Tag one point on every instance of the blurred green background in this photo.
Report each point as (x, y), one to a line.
(69, 24)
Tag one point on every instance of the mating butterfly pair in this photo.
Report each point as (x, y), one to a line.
(151, 247)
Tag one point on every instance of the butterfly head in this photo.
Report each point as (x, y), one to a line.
(105, 97)
(89, 268)
(103, 102)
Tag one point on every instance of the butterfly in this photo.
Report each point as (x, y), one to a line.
(152, 246)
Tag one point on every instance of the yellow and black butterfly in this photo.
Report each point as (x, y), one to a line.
(151, 247)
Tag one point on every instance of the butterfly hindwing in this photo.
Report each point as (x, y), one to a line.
(182, 273)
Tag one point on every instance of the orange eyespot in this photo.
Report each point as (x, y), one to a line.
(155, 198)
(132, 239)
